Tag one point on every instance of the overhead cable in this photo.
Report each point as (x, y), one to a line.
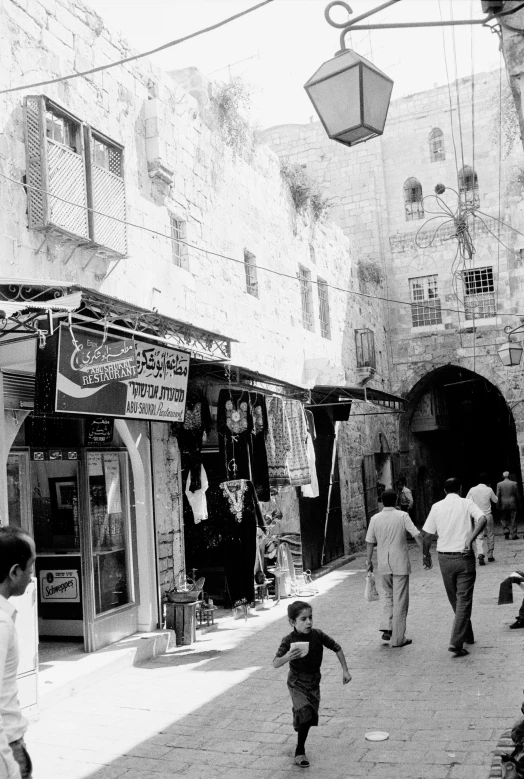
(137, 56)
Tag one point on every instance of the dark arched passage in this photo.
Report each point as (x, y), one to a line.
(457, 424)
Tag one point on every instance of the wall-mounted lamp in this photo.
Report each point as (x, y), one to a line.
(510, 353)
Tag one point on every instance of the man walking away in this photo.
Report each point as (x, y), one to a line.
(507, 493)
(17, 557)
(388, 531)
(457, 522)
(484, 496)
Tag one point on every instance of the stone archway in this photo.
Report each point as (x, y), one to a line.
(458, 423)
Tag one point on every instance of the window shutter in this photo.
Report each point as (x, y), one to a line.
(107, 197)
(35, 151)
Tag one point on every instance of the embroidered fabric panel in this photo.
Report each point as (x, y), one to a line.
(298, 462)
(278, 442)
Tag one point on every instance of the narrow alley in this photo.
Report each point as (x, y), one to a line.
(218, 709)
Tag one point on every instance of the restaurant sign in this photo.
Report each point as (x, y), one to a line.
(102, 374)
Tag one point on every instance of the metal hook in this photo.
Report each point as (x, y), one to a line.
(329, 20)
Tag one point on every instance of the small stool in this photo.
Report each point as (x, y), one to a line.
(207, 614)
(180, 617)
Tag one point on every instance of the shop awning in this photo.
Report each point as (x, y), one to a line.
(238, 377)
(23, 301)
(326, 395)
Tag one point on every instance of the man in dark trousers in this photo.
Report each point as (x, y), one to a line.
(456, 522)
(17, 557)
(507, 494)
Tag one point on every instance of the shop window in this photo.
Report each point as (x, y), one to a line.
(55, 169)
(306, 294)
(479, 293)
(323, 308)
(436, 145)
(468, 186)
(365, 343)
(425, 302)
(106, 189)
(250, 267)
(178, 245)
(76, 178)
(413, 199)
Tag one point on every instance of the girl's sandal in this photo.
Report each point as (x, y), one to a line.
(301, 761)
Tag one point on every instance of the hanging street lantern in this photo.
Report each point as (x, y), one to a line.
(510, 353)
(351, 97)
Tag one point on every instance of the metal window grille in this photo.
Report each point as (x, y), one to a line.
(178, 234)
(323, 308)
(107, 195)
(55, 169)
(479, 293)
(413, 199)
(306, 294)
(251, 273)
(425, 306)
(468, 186)
(365, 343)
(436, 145)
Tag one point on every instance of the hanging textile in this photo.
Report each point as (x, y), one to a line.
(259, 469)
(191, 432)
(241, 512)
(197, 498)
(278, 442)
(235, 425)
(311, 490)
(298, 464)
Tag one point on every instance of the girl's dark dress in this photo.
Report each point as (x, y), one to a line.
(304, 676)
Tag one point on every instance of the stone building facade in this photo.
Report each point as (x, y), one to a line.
(448, 303)
(201, 238)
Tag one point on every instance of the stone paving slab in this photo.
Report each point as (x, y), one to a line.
(218, 709)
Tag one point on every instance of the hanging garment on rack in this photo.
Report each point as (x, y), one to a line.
(278, 442)
(259, 469)
(197, 498)
(298, 463)
(241, 512)
(191, 431)
(311, 490)
(235, 425)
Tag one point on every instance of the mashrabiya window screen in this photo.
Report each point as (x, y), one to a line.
(306, 293)
(323, 308)
(250, 267)
(105, 179)
(425, 305)
(413, 199)
(479, 293)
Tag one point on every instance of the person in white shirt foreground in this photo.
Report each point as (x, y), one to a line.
(484, 496)
(388, 531)
(457, 522)
(17, 557)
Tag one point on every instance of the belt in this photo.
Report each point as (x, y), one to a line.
(455, 553)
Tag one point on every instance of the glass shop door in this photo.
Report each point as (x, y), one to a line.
(110, 609)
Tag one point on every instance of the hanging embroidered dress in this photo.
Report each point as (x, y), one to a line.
(278, 442)
(259, 469)
(298, 463)
(241, 513)
(235, 425)
(190, 433)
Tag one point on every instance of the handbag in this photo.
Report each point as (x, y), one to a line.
(370, 591)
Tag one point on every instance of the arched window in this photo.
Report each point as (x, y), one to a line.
(413, 199)
(469, 186)
(436, 145)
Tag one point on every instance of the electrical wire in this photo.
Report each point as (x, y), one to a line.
(125, 60)
(449, 92)
(216, 254)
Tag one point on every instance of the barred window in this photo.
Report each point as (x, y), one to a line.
(178, 235)
(365, 343)
(468, 186)
(306, 293)
(323, 308)
(479, 293)
(251, 273)
(425, 306)
(413, 199)
(436, 145)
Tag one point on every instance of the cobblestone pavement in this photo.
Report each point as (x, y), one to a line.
(218, 708)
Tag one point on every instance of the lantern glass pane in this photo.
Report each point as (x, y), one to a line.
(337, 100)
(377, 93)
(357, 135)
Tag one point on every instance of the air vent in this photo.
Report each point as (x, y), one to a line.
(19, 390)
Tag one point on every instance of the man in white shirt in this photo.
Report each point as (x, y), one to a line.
(457, 522)
(484, 496)
(17, 557)
(388, 531)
